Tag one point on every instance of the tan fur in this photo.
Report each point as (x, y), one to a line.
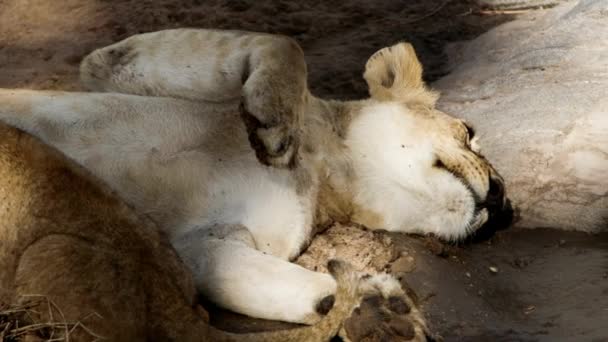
(66, 237)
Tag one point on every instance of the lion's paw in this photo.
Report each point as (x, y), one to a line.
(386, 313)
(272, 134)
(104, 69)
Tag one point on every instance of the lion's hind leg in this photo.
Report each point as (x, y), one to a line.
(266, 72)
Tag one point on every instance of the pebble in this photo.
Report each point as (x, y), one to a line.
(404, 264)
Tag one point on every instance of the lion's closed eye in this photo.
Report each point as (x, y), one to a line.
(470, 131)
(472, 140)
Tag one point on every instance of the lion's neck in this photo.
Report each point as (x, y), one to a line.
(325, 127)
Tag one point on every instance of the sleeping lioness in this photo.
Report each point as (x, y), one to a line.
(66, 237)
(171, 127)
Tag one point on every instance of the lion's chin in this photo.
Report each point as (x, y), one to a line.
(493, 222)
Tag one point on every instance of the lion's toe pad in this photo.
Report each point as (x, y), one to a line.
(386, 313)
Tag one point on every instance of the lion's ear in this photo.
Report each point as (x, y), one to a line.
(395, 74)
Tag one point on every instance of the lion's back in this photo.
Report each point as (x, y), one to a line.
(70, 239)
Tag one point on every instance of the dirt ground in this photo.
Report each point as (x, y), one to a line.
(548, 285)
(42, 41)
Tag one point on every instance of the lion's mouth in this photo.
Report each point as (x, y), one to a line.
(480, 217)
(491, 214)
(485, 223)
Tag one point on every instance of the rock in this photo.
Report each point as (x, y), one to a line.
(536, 90)
(404, 264)
(518, 4)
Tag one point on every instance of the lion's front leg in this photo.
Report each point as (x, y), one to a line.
(267, 72)
(229, 271)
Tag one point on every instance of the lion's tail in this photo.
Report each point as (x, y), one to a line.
(324, 330)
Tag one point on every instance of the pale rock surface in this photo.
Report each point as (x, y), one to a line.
(536, 90)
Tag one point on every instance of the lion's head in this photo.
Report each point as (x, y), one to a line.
(417, 168)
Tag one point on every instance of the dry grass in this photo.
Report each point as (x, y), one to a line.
(25, 322)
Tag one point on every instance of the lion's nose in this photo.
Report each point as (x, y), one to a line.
(498, 204)
(499, 207)
(496, 193)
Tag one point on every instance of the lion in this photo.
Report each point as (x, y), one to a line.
(170, 126)
(67, 237)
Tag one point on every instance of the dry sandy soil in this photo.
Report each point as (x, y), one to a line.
(548, 285)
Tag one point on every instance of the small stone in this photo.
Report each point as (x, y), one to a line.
(403, 264)
(468, 274)
(529, 309)
(493, 269)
